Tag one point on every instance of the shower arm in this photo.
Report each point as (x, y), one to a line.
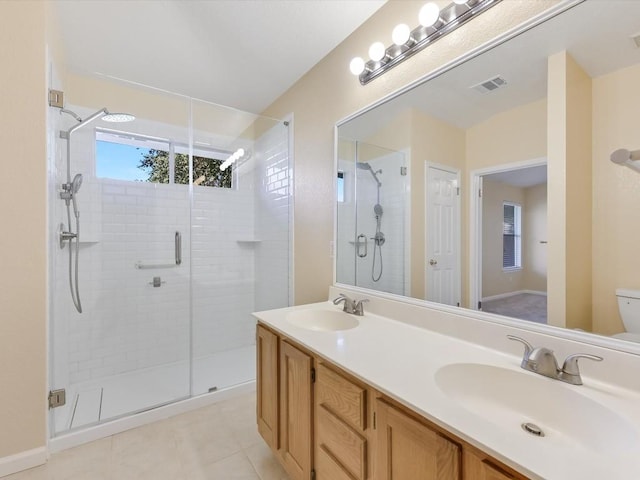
(67, 135)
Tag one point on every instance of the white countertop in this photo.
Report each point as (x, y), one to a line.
(401, 360)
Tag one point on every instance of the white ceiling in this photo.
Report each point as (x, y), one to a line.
(522, 178)
(240, 53)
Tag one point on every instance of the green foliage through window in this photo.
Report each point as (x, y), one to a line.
(155, 163)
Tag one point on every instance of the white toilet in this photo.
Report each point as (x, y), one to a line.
(629, 307)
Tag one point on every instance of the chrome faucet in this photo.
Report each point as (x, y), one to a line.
(541, 360)
(354, 307)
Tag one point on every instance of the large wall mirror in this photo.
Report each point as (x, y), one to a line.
(491, 186)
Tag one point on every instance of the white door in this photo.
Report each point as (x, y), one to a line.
(442, 252)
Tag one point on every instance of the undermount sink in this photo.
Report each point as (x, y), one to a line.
(512, 399)
(322, 320)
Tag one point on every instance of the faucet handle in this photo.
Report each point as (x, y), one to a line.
(528, 348)
(349, 304)
(341, 298)
(358, 308)
(570, 366)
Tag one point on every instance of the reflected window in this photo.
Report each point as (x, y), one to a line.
(340, 187)
(512, 236)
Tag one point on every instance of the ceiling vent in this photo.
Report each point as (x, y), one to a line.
(490, 85)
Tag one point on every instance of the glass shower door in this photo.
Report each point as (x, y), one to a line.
(129, 349)
(372, 217)
(240, 231)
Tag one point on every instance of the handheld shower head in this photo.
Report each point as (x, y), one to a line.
(377, 209)
(76, 183)
(75, 186)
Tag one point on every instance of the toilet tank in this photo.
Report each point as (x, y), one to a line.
(629, 307)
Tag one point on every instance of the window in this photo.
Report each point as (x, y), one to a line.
(511, 237)
(126, 159)
(144, 159)
(340, 187)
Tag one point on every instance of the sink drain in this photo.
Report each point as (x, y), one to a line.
(533, 429)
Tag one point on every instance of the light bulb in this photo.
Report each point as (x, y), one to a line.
(240, 152)
(401, 34)
(357, 66)
(376, 51)
(429, 14)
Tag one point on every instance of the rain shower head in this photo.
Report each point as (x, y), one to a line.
(367, 166)
(118, 117)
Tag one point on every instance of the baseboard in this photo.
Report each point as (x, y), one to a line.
(23, 461)
(511, 294)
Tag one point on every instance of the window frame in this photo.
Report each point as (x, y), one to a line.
(517, 236)
(174, 147)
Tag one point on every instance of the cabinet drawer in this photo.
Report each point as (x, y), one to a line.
(343, 443)
(341, 396)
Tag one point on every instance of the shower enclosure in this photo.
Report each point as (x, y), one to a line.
(372, 217)
(184, 221)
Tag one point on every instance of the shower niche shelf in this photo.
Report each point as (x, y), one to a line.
(248, 241)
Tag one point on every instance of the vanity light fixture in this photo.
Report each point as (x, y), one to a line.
(434, 24)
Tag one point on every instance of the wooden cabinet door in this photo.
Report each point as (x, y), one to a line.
(408, 450)
(267, 386)
(295, 411)
(478, 466)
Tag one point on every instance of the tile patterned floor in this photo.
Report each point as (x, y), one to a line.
(218, 442)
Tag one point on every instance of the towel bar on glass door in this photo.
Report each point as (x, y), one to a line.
(178, 254)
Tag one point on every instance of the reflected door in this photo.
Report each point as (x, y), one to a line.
(443, 236)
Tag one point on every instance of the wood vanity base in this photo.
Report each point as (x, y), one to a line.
(323, 424)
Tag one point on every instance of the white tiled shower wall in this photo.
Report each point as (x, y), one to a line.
(273, 200)
(127, 323)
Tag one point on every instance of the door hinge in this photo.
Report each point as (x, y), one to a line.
(479, 305)
(57, 398)
(56, 98)
(457, 304)
(480, 193)
(403, 171)
(313, 475)
(458, 191)
(313, 375)
(374, 420)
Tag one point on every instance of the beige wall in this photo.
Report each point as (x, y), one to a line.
(328, 93)
(512, 136)
(534, 228)
(23, 295)
(433, 141)
(495, 280)
(616, 195)
(569, 191)
(532, 276)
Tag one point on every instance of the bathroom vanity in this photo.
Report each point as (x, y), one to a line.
(409, 392)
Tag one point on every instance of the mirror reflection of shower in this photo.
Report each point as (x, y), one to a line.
(378, 238)
(68, 193)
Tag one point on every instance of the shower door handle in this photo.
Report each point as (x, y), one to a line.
(178, 240)
(359, 242)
